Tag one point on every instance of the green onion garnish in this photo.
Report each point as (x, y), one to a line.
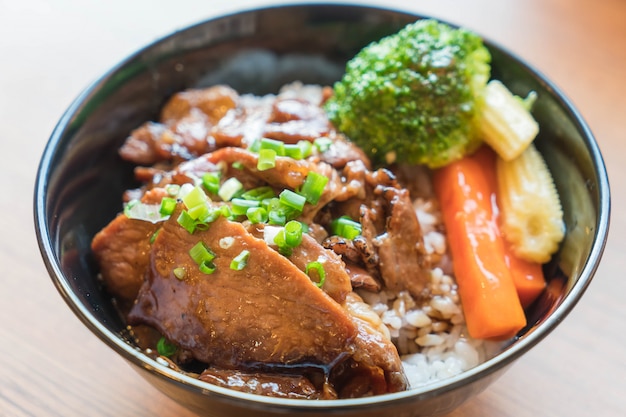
(293, 233)
(165, 348)
(172, 189)
(207, 267)
(322, 144)
(180, 272)
(137, 210)
(194, 198)
(292, 199)
(226, 212)
(306, 148)
(154, 236)
(237, 165)
(276, 217)
(345, 227)
(281, 241)
(257, 215)
(186, 221)
(267, 159)
(319, 268)
(200, 253)
(240, 261)
(255, 146)
(230, 188)
(167, 206)
(259, 193)
(273, 144)
(313, 187)
(293, 151)
(240, 206)
(211, 181)
(198, 212)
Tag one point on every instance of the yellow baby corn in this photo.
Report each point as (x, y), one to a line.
(532, 217)
(505, 123)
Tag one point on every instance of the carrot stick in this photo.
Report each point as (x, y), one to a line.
(490, 301)
(527, 276)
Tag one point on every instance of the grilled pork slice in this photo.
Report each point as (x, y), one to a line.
(268, 313)
(122, 249)
(267, 317)
(268, 384)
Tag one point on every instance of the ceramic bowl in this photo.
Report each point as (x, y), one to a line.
(81, 179)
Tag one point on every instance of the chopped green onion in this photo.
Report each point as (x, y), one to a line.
(240, 206)
(292, 199)
(259, 193)
(137, 210)
(313, 187)
(226, 212)
(273, 144)
(267, 159)
(257, 215)
(276, 217)
(207, 267)
(230, 188)
(198, 212)
(186, 221)
(200, 253)
(211, 181)
(293, 233)
(167, 206)
(319, 268)
(240, 261)
(345, 227)
(180, 272)
(293, 151)
(280, 240)
(154, 236)
(255, 146)
(237, 165)
(322, 144)
(306, 148)
(213, 213)
(194, 198)
(165, 348)
(172, 189)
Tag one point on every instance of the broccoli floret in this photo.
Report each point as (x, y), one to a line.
(412, 97)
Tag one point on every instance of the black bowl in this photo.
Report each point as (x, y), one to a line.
(81, 179)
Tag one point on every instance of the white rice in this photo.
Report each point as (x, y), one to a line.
(431, 336)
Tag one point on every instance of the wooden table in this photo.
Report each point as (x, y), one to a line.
(50, 365)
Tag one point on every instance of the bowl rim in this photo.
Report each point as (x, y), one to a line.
(136, 357)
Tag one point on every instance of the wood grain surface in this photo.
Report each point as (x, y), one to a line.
(51, 365)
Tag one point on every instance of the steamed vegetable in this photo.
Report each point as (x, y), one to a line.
(413, 96)
(490, 301)
(532, 217)
(506, 123)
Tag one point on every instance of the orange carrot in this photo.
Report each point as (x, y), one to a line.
(466, 195)
(527, 276)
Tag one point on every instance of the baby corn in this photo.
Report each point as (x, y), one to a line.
(532, 217)
(505, 123)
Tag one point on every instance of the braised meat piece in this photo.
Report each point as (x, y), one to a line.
(402, 257)
(122, 249)
(295, 119)
(216, 317)
(268, 384)
(184, 130)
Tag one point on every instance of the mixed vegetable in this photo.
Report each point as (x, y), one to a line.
(423, 96)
